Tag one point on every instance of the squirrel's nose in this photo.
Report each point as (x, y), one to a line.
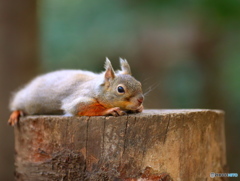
(140, 100)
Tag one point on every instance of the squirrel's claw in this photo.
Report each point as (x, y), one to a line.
(14, 117)
(116, 111)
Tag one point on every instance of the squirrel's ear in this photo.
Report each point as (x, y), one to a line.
(125, 67)
(109, 73)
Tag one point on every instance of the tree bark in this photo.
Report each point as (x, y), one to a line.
(153, 145)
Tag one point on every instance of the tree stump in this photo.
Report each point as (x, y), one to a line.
(153, 145)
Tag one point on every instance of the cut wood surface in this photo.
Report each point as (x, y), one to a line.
(153, 145)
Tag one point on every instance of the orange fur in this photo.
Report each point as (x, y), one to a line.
(93, 110)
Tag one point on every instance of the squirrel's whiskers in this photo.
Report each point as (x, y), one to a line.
(151, 88)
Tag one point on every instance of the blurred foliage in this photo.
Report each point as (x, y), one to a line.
(82, 30)
(187, 86)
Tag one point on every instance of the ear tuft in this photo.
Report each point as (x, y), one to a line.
(107, 63)
(109, 73)
(124, 66)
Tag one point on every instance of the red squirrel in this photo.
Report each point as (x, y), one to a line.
(80, 93)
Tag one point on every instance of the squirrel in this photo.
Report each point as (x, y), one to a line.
(80, 93)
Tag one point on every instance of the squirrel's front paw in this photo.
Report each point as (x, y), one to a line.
(116, 111)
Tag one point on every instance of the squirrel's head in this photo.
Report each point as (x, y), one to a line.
(121, 89)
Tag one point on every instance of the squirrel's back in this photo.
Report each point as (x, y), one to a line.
(43, 94)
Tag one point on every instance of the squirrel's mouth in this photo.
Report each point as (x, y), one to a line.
(135, 107)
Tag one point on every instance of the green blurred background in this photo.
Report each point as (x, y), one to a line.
(187, 53)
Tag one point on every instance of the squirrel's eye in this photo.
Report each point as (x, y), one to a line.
(120, 89)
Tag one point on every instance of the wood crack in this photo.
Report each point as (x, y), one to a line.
(124, 144)
(86, 159)
(165, 136)
(125, 133)
(103, 142)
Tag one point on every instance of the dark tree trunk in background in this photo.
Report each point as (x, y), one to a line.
(206, 49)
(18, 63)
(154, 145)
